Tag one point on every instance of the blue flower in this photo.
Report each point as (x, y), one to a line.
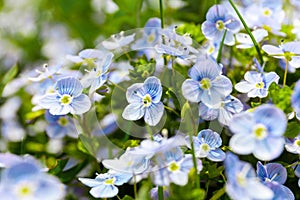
(98, 75)
(273, 176)
(224, 111)
(297, 173)
(67, 98)
(25, 179)
(206, 83)
(86, 57)
(207, 144)
(154, 193)
(104, 185)
(293, 144)
(144, 101)
(259, 132)
(242, 182)
(217, 21)
(295, 99)
(118, 41)
(289, 51)
(60, 126)
(245, 41)
(256, 84)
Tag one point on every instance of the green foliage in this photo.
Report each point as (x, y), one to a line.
(293, 129)
(12, 73)
(281, 97)
(187, 192)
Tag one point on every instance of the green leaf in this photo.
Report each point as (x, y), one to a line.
(127, 198)
(189, 119)
(293, 129)
(180, 192)
(12, 73)
(281, 97)
(61, 163)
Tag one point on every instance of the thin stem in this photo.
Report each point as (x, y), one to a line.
(119, 197)
(135, 187)
(172, 110)
(221, 47)
(285, 71)
(220, 193)
(150, 132)
(257, 48)
(160, 193)
(161, 8)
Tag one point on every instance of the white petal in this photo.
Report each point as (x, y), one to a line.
(242, 143)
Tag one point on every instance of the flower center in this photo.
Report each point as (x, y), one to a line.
(210, 50)
(297, 143)
(205, 147)
(260, 85)
(173, 167)
(220, 25)
(260, 131)
(110, 181)
(150, 38)
(267, 12)
(205, 84)
(63, 121)
(65, 99)
(240, 179)
(25, 190)
(288, 55)
(147, 100)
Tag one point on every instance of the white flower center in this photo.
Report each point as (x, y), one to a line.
(65, 99)
(63, 121)
(267, 12)
(205, 84)
(110, 181)
(220, 25)
(260, 131)
(173, 167)
(260, 85)
(147, 100)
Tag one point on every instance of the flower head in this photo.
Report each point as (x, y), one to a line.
(144, 101)
(67, 98)
(218, 20)
(242, 182)
(245, 41)
(207, 144)
(256, 84)
(289, 51)
(206, 84)
(274, 175)
(293, 144)
(259, 132)
(104, 185)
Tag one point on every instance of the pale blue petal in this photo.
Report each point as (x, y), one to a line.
(154, 113)
(273, 50)
(229, 39)
(48, 101)
(58, 109)
(244, 87)
(133, 111)
(269, 148)
(205, 68)
(280, 191)
(70, 86)
(261, 93)
(253, 77)
(207, 113)
(256, 190)
(242, 144)
(216, 155)
(211, 97)
(179, 178)
(293, 47)
(153, 87)
(191, 90)
(276, 172)
(216, 12)
(209, 30)
(104, 191)
(295, 62)
(91, 53)
(221, 85)
(122, 178)
(273, 118)
(135, 93)
(80, 104)
(49, 188)
(55, 131)
(270, 78)
(20, 171)
(90, 182)
(242, 123)
(234, 105)
(210, 137)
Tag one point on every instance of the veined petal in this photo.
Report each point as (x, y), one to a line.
(205, 68)
(269, 148)
(90, 182)
(215, 12)
(242, 123)
(191, 90)
(207, 113)
(133, 111)
(104, 191)
(273, 50)
(153, 87)
(210, 137)
(261, 171)
(69, 85)
(222, 85)
(48, 101)
(273, 118)
(244, 87)
(276, 172)
(135, 93)
(253, 77)
(270, 78)
(216, 155)
(154, 113)
(179, 178)
(242, 144)
(80, 104)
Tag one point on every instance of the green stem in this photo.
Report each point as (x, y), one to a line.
(161, 8)
(221, 47)
(172, 110)
(257, 48)
(285, 71)
(150, 132)
(160, 193)
(220, 193)
(135, 187)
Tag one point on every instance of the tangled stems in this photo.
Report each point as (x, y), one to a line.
(249, 32)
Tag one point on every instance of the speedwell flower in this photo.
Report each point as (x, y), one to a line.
(104, 185)
(293, 145)
(144, 100)
(207, 144)
(242, 182)
(206, 83)
(274, 175)
(67, 98)
(289, 51)
(259, 132)
(218, 20)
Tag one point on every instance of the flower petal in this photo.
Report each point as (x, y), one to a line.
(269, 148)
(133, 111)
(80, 104)
(154, 113)
(216, 155)
(191, 90)
(244, 87)
(276, 172)
(153, 87)
(242, 144)
(273, 50)
(69, 85)
(242, 123)
(90, 182)
(104, 191)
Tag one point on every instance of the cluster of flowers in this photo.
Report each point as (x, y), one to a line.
(66, 93)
